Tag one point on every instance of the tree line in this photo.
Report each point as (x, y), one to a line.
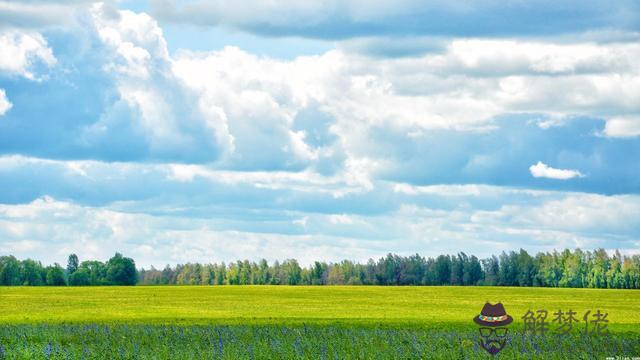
(592, 269)
(551, 269)
(118, 270)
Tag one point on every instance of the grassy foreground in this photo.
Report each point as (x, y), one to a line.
(288, 342)
(274, 322)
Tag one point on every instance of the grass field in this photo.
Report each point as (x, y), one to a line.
(297, 322)
(361, 305)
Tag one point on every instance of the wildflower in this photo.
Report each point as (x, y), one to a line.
(47, 350)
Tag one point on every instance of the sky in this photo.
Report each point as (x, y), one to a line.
(208, 131)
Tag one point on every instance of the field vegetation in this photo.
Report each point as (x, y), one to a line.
(302, 322)
(449, 306)
(299, 322)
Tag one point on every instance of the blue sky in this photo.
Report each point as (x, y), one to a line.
(178, 131)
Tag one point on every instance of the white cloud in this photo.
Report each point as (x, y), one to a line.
(543, 170)
(38, 15)
(96, 233)
(162, 110)
(580, 212)
(257, 99)
(241, 110)
(239, 114)
(571, 213)
(623, 127)
(5, 104)
(467, 190)
(196, 225)
(20, 51)
(462, 88)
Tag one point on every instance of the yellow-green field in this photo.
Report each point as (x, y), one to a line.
(357, 305)
(283, 322)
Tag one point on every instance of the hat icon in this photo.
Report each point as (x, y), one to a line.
(493, 315)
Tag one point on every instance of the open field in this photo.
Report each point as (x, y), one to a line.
(358, 305)
(266, 322)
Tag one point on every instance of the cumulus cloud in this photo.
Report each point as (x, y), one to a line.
(183, 155)
(322, 112)
(342, 112)
(260, 99)
(21, 51)
(5, 104)
(406, 99)
(484, 79)
(153, 106)
(543, 170)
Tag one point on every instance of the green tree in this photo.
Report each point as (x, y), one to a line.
(277, 274)
(167, 276)
(412, 270)
(614, 275)
(573, 269)
(121, 270)
(635, 259)
(221, 274)
(549, 269)
(597, 277)
(526, 269)
(10, 271)
(96, 270)
(292, 272)
(81, 277)
(33, 273)
(457, 268)
(72, 264)
(263, 272)
(244, 272)
(335, 275)
(508, 274)
(491, 268)
(55, 276)
(442, 269)
(233, 274)
(319, 273)
(208, 274)
(472, 271)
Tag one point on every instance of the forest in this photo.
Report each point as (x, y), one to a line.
(119, 270)
(556, 269)
(578, 268)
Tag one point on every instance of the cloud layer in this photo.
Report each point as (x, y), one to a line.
(353, 18)
(408, 135)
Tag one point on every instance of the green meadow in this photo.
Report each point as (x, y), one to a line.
(362, 322)
(358, 305)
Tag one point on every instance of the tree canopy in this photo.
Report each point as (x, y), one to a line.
(516, 268)
(578, 268)
(118, 270)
